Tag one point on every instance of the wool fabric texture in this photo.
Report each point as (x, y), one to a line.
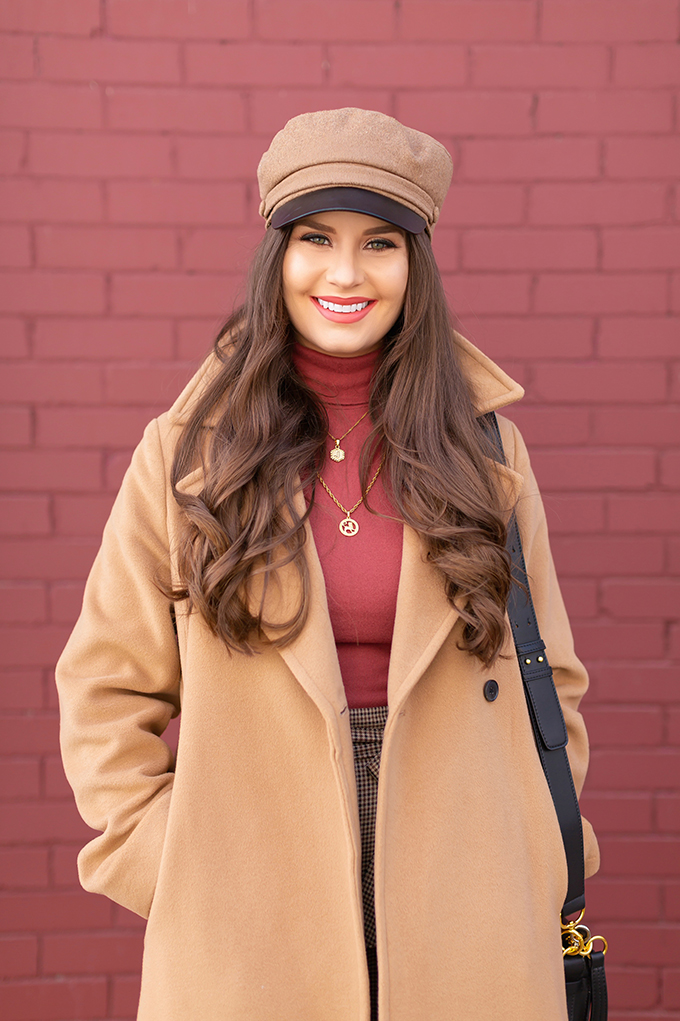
(355, 148)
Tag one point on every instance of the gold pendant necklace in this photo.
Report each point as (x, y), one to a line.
(348, 526)
(337, 453)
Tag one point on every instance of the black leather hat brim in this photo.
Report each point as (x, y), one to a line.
(351, 200)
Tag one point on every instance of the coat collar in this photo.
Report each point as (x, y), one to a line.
(424, 616)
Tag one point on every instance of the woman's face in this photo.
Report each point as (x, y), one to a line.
(350, 261)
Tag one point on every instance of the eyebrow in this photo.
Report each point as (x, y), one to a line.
(388, 228)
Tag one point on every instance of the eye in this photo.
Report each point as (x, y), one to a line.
(380, 244)
(316, 239)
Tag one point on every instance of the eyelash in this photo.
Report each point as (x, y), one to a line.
(384, 242)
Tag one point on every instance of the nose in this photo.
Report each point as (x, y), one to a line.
(344, 270)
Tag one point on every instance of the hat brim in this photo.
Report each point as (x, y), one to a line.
(351, 200)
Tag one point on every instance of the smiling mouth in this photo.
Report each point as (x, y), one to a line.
(346, 308)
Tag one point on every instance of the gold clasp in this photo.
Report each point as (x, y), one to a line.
(576, 938)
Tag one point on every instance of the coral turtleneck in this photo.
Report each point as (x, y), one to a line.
(361, 571)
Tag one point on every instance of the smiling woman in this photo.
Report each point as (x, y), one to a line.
(308, 559)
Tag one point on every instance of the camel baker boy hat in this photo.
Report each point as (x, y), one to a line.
(356, 160)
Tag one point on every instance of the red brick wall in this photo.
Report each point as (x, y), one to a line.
(131, 133)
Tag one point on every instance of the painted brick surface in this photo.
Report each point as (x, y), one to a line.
(130, 133)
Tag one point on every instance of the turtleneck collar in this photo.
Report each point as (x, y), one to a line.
(344, 381)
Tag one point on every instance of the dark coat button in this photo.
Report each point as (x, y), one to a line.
(491, 691)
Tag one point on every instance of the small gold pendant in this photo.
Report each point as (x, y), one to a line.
(348, 526)
(337, 453)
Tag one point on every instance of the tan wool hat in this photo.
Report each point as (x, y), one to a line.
(358, 160)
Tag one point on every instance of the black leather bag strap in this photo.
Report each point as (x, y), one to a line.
(545, 711)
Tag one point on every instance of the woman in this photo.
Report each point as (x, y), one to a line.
(314, 533)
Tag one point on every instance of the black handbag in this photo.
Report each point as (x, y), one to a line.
(584, 975)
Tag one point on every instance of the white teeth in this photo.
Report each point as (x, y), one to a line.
(332, 307)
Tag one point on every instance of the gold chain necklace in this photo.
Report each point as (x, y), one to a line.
(337, 453)
(348, 526)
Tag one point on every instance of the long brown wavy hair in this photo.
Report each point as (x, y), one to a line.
(260, 432)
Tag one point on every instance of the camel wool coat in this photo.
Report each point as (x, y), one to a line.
(244, 853)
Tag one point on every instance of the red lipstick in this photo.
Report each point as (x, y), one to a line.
(343, 317)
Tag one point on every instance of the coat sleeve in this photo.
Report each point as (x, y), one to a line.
(119, 685)
(571, 679)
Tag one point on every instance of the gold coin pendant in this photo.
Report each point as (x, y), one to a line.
(348, 526)
(337, 454)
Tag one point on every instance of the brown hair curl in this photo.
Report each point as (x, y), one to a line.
(260, 433)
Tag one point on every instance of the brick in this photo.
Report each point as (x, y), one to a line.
(258, 64)
(534, 337)
(610, 899)
(654, 64)
(625, 337)
(654, 944)
(671, 988)
(476, 205)
(56, 558)
(106, 247)
(468, 20)
(668, 812)
(24, 868)
(26, 735)
(12, 150)
(600, 382)
(38, 646)
(108, 60)
(79, 17)
(18, 956)
(66, 471)
(529, 249)
(617, 813)
(675, 292)
(608, 20)
(632, 987)
(540, 66)
(13, 338)
(552, 426)
(635, 682)
(673, 725)
(643, 157)
(596, 204)
(580, 597)
(176, 202)
(302, 20)
(41, 105)
(490, 293)
(601, 293)
(137, 384)
(69, 154)
(50, 383)
(66, 598)
(633, 769)
(115, 468)
(185, 109)
(674, 561)
(77, 998)
(657, 513)
(91, 427)
(670, 469)
(103, 339)
(51, 292)
(270, 109)
(20, 780)
(195, 338)
(81, 515)
(472, 113)
(405, 66)
(42, 821)
(16, 56)
(223, 158)
(36, 200)
(64, 865)
(173, 294)
(15, 246)
(626, 726)
(25, 604)
(593, 469)
(21, 689)
(568, 514)
(112, 953)
(125, 995)
(175, 19)
(583, 556)
(230, 250)
(613, 111)
(672, 900)
(56, 785)
(597, 640)
(641, 856)
(15, 427)
(642, 248)
(529, 159)
(658, 597)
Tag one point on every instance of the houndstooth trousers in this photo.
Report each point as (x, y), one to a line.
(367, 726)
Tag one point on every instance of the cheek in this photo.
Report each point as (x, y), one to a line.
(297, 273)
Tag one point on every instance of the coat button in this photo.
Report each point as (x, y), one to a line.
(491, 691)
